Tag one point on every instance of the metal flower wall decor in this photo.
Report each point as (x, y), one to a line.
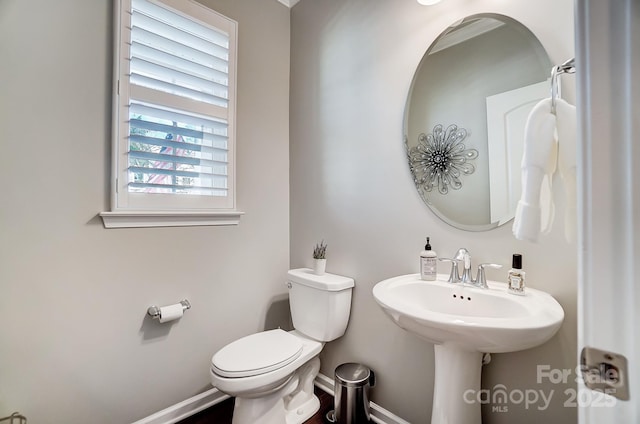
(440, 158)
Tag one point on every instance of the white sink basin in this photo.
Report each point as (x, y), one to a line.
(462, 322)
(484, 320)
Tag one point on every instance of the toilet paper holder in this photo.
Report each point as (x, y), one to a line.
(154, 311)
(15, 418)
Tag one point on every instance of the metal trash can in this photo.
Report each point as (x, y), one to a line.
(351, 399)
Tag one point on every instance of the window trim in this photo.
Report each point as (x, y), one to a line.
(143, 219)
(188, 211)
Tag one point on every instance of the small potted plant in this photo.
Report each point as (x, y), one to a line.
(319, 258)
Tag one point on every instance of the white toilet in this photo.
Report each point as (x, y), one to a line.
(271, 373)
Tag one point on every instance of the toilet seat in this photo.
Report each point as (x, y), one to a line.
(257, 354)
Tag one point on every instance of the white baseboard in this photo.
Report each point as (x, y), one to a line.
(378, 414)
(186, 408)
(324, 383)
(197, 403)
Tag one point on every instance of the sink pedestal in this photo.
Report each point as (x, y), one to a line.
(457, 372)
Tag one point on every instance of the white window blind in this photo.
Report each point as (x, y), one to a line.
(176, 107)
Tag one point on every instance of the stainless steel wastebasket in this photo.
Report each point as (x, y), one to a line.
(351, 400)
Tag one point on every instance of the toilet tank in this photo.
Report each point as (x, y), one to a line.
(320, 304)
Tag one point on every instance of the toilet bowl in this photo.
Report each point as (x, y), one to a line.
(265, 392)
(271, 373)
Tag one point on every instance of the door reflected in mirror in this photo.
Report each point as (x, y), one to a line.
(465, 116)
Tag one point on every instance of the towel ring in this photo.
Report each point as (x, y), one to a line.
(555, 89)
(567, 67)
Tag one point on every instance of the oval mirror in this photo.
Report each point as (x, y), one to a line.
(465, 116)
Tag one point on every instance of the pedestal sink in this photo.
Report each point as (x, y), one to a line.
(463, 322)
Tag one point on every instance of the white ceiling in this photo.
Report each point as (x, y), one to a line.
(289, 3)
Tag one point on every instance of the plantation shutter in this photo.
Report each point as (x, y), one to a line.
(179, 112)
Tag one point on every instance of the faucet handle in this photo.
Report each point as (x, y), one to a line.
(454, 276)
(481, 278)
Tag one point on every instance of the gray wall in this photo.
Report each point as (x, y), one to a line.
(352, 63)
(75, 346)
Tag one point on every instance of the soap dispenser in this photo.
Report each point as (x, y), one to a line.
(428, 263)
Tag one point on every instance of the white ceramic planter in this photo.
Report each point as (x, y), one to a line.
(319, 266)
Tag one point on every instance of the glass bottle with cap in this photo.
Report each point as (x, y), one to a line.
(516, 275)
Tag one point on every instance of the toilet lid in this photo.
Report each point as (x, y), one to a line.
(257, 354)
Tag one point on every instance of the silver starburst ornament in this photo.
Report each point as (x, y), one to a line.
(440, 158)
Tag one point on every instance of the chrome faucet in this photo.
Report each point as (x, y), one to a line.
(467, 278)
(464, 255)
(461, 255)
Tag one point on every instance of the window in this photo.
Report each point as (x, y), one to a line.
(174, 107)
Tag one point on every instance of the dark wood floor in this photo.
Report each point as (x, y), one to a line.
(222, 412)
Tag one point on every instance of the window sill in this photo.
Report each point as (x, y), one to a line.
(145, 219)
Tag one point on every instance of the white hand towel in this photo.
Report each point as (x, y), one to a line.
(535, 209)
(567, 163)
